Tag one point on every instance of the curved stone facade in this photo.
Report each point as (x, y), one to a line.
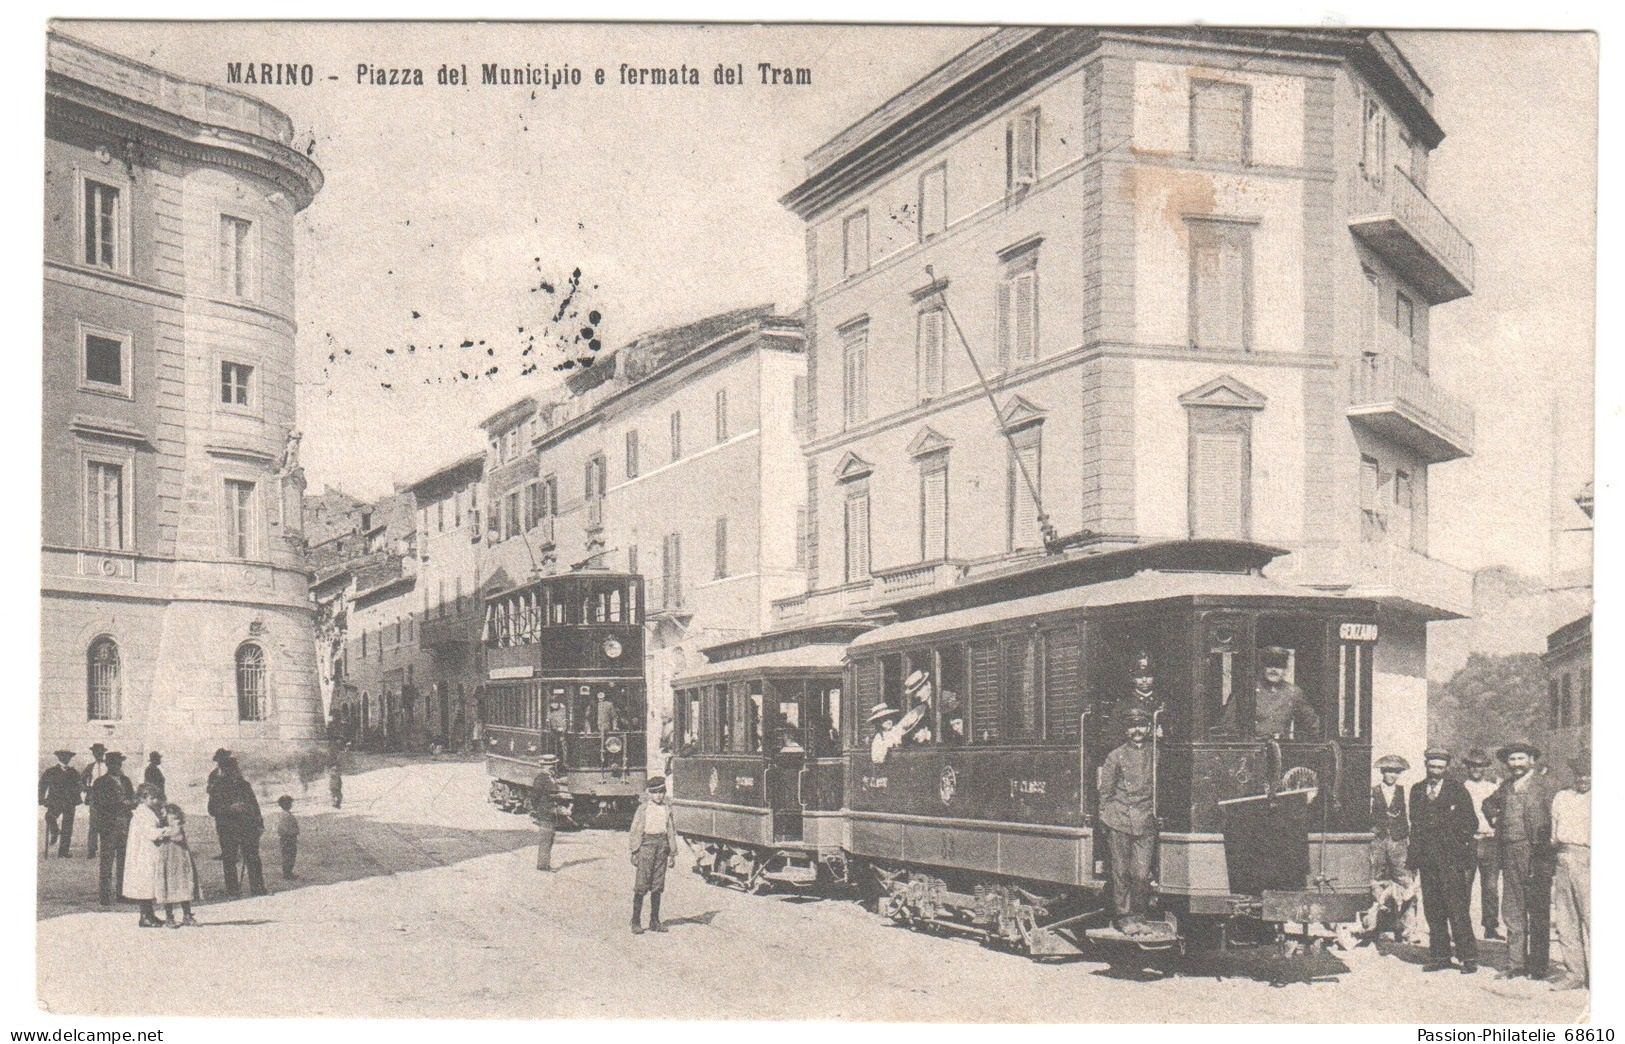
(171, 488)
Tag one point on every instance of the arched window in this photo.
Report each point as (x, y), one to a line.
(250, 682)
(104, 681)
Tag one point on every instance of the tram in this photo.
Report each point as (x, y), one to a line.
(759, 772)
(564, 676)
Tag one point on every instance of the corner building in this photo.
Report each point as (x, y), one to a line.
(1195, 268)
(175, 609)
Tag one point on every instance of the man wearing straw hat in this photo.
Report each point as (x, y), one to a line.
(1571, 837)
(654, 851)
(917, 696)
(1487, 862)
(1521, 809)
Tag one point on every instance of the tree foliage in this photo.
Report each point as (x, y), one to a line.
(1491, 701)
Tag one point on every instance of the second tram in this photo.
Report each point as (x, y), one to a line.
(565, 676)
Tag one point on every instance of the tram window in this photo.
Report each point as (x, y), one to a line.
(919, 697)
(984, 692)
(891, 681)
(584, 709)
(725, 718)
(1021, 686)
(558, 709)
(951, 694)
(1135, 659)
(753, 719)
(783, 725)
(1354, 672)
(691, 722)
(825, 703)
(1063, 683)
(633, 610)
(1287, 699)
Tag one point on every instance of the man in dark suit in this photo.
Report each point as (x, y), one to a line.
(59, 791)
(1521, 809)
(112, 800)
(240, 828)
(1441, 849)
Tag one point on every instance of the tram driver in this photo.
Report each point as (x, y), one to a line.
(1280, 708)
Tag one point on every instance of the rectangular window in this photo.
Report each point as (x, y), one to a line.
(440, 600)
(934, 513)
(1016, 311)
(242, 532)
(933, 202)
(510, 514)
(1372, 308)
(671, 571)
(236, 269)
(1404, 509)
(1221, 278)
(1373, 509)
(857, 537)
(1021, 687)
(1218, 484)
(632, 454)
(928, 338)
(676, 437)
(1024, 480)
(1409, 336)
(550, 495)
(104, 363)
(856, 396)
(984, 692)
(104, 505)
(721, 549)
(533, 504)
(234, 383)
(1374, 142)
(722, 415)
(1021, 149)
(102, 219)
(855, 244)
(1220, 121)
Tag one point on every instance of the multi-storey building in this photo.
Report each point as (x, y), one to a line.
(175, 613)
(675, 456)
(449, 556)
(1166, 284)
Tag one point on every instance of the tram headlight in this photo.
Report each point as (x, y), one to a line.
(613, 745)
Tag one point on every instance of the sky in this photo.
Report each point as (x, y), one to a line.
(447, 209)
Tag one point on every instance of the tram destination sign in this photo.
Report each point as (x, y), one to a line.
(1357, 632)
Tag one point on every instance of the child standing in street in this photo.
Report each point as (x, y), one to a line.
(176, 872)
(287, 833)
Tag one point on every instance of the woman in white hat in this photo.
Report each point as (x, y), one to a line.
(882, 717)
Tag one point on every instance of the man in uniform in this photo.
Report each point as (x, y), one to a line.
(1487, 862)
(112, 800)
(92, 772)
(1142, 697)
(1571, 837)
(1442, 852)
(1280, 708)
(1521, 809)
(1390, 834)
(654, 851)
(59, 795)
(1127, 811)
(608, 717)
(547, 799)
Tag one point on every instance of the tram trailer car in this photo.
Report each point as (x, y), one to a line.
(758, 777)
(552, 648)
(990, 824)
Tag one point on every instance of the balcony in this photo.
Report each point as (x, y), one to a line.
(1388, 573)
(1391, 397)
(1398, 221)
(916, 578)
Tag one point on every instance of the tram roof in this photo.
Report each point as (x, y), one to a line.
(1142, 587)
(802, 659)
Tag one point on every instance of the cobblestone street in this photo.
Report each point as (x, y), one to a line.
(420, 899)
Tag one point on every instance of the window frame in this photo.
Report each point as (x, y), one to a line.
(849, 267)
(925, 388)
(1212, 420)
(121, 239)
(923, 233)
(251, 388)
(1024, 124)
(722, 415)
(262, 695)
(254, 547)
(930, 466)
(125, 389)
(854, 344)
(124, 460)
(631, 453)
(674, 435)
(1031, 436)
(116, 696)
(1018, 266)
(244, 282)
(720, 549)
(859, 491)
(1221, 228)
(1200, 83)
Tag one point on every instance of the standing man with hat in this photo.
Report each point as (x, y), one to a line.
(1442, 852)
(155, 776)
(1571, 836)
(654, 851)
(1128, 813)
(1521, 809)
(548, 803)
(217, 776)
(1142, 696)
(1390, 837)
(241, 825)
(1487, 861)
(59, 795)
(1279, 707)
(112, 800)
(92, 772)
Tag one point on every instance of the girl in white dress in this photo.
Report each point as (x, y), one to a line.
(141, 856)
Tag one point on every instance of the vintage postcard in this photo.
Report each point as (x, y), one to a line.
(838, 514)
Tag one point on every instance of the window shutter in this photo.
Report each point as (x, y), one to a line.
(1063, 683)
(1024, 302)
(930, 354)
(1217, 478)
(1026, 148)
(934, 515)
(1023, 508)
(857, 537)
(1021, 686)
(1002, 312)
(984, 692)
(722, 548)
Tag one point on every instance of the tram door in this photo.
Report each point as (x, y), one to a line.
(782, 729)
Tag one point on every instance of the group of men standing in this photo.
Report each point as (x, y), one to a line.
(1516, 836)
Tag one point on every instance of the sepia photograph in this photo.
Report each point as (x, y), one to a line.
(835, 517)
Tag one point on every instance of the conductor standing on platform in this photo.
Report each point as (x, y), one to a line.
(547, 799)
(1127, 809)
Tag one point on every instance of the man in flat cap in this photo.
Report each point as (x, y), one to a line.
(1571, 837)
(1142, 695)
(59, 795)
(549, 803)
(1487, 861)
(1128, 813)
(1521, 809)
(1390, 837)
(654, 851)
(1442, 852)
(112, 800)
(87, 779)
(1280, 708)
